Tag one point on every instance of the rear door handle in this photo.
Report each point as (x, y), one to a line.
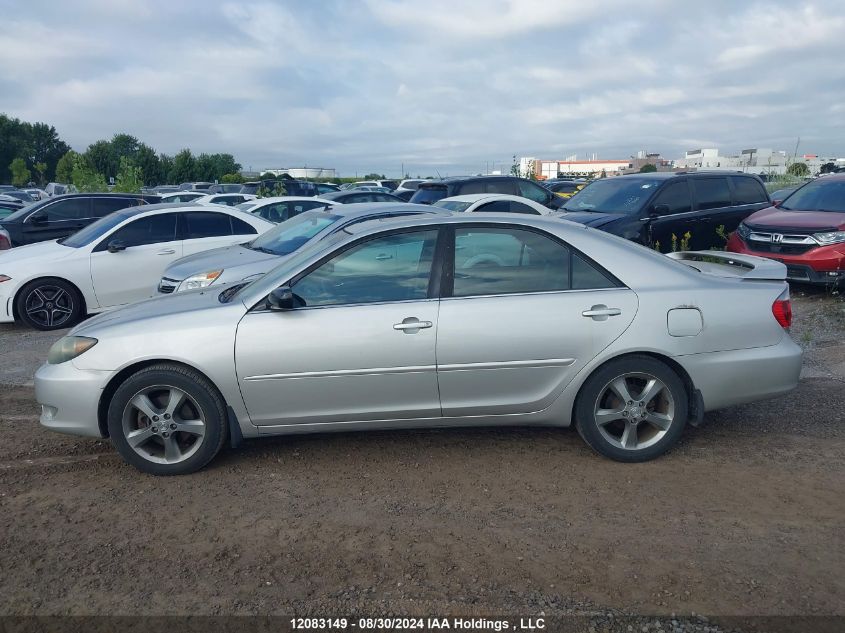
(600, 312)
(166, 251)
(412, 323)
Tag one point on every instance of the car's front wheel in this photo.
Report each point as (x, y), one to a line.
(49, 304)
(167, 420)
(632, 409)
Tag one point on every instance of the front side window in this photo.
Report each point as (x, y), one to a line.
(153, 229)
(493, 261)
(103, 206)
(676, 197)
(393, 267)
(712, 193)
(67, 209)
(206, 224)
(622, 194)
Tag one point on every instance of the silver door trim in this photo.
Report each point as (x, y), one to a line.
(545, 362)
(411, 369)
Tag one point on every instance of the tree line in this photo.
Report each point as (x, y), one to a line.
(33, 152)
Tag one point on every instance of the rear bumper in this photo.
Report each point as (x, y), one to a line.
(740, 376)
(69, 398)
(820, 265)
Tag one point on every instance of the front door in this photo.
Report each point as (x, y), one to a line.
(149, 245)
(57, 219)
(361, 346)
(526, 313)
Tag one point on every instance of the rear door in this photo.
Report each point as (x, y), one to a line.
(749, 196)
(675, 217)
(512, 329)
(204, 230)
(713, 201)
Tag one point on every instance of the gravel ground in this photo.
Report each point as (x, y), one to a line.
(743, 518)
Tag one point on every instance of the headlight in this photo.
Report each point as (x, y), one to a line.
(743, 230)
(834, 237)
(199, 281)
(69, 347)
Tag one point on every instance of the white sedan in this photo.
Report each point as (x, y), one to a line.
(226, 199)
(116, 260)
(493, 202)
(280, 208)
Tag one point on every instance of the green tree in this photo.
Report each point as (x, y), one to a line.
(165, 168)
(232, 178)
(375, 176)
(64, 168)
(184, 167)
(150, 165)
(648, 168)
(45, 147)
(798, 169)
(41, 168)
(85, 178)
(20, 174)
(99, 156)
(267, 176)
(129, 177)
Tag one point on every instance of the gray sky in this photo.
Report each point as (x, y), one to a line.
(446, 85)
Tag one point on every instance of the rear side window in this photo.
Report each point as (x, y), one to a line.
(497, 206)
(519, 207)
(239, 227)
(712, 193)
(206, 224)
(676, 196)
(103, 206)
(428, 195)
(748, 191)
(533, 192)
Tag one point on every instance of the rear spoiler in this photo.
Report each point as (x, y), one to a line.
(722, 264)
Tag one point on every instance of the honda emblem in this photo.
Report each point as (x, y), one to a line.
(777, 238)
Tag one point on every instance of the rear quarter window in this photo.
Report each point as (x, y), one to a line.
(748, 190)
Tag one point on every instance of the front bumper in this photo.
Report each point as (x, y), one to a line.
(819, 265)
(69, 398)
(740, 376)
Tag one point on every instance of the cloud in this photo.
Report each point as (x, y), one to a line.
(440, 85)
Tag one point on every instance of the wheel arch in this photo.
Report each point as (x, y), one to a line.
(118, 379)
(25, 285)
(674, 365)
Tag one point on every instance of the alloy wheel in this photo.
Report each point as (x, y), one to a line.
(49, 306)
(163, 424)
(634, 411)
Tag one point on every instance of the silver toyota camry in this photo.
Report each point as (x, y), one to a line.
(432, 321)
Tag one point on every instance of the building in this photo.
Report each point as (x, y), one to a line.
(304, 173)
(760, 161)
(571, 166)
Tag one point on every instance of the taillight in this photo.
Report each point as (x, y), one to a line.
(5, 242)
(782, 309)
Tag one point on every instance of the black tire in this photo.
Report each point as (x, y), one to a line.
(49, 304)
(601, 438)
(205, 399)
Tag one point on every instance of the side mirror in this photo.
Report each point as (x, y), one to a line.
(39, 219)
(776, 203)
(115, 246)
(281, 299)
(658, 210)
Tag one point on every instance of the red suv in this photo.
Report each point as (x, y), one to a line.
(806, 232)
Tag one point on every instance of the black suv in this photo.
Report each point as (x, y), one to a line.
(61, 216)
(431, 191)
(651, 208)
(292, 187)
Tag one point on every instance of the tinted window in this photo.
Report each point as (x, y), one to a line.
(206, 224)
(712, 193)
(427, 195)
(533, 191)
(503, 261)
(383, 197)
(622, 194)
(152, 229)
(588, 276)
(564, 187)
(748, 191)
(67, 209)
(387, 268)
(676, 196)
(239, 227)
(104, 206)
(818, 195)
(497, 206)
(519, 207)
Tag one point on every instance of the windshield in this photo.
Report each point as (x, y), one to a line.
(622, 194)
(429, 195)
(290, 235)
(819, 195)
(98, 229)
(452, 205)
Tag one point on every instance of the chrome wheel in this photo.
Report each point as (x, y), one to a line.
(163, 424)
(49, 306)
(634, 411)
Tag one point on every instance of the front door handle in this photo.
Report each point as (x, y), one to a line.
(600, 312)
(166, 251)
(412, 325)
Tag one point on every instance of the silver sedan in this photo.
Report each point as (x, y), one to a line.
(433, 321)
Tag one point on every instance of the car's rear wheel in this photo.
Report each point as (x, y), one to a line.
(632, 409)
(49, 304)
(167, 420)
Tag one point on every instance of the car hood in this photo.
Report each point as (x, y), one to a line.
(218, 258)
(594, 220)
(155, 308)
(782, 218)
(49, 251)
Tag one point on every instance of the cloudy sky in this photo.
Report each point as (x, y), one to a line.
(446, 85)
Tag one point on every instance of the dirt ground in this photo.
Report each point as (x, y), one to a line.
(744, 517)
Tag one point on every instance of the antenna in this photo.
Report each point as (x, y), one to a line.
(438, 173)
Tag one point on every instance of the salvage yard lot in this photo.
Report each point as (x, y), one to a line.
(744, 516)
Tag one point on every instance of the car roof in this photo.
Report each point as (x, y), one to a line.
(260, 202)
(357, 209)
(475, 197)
(456, 217)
